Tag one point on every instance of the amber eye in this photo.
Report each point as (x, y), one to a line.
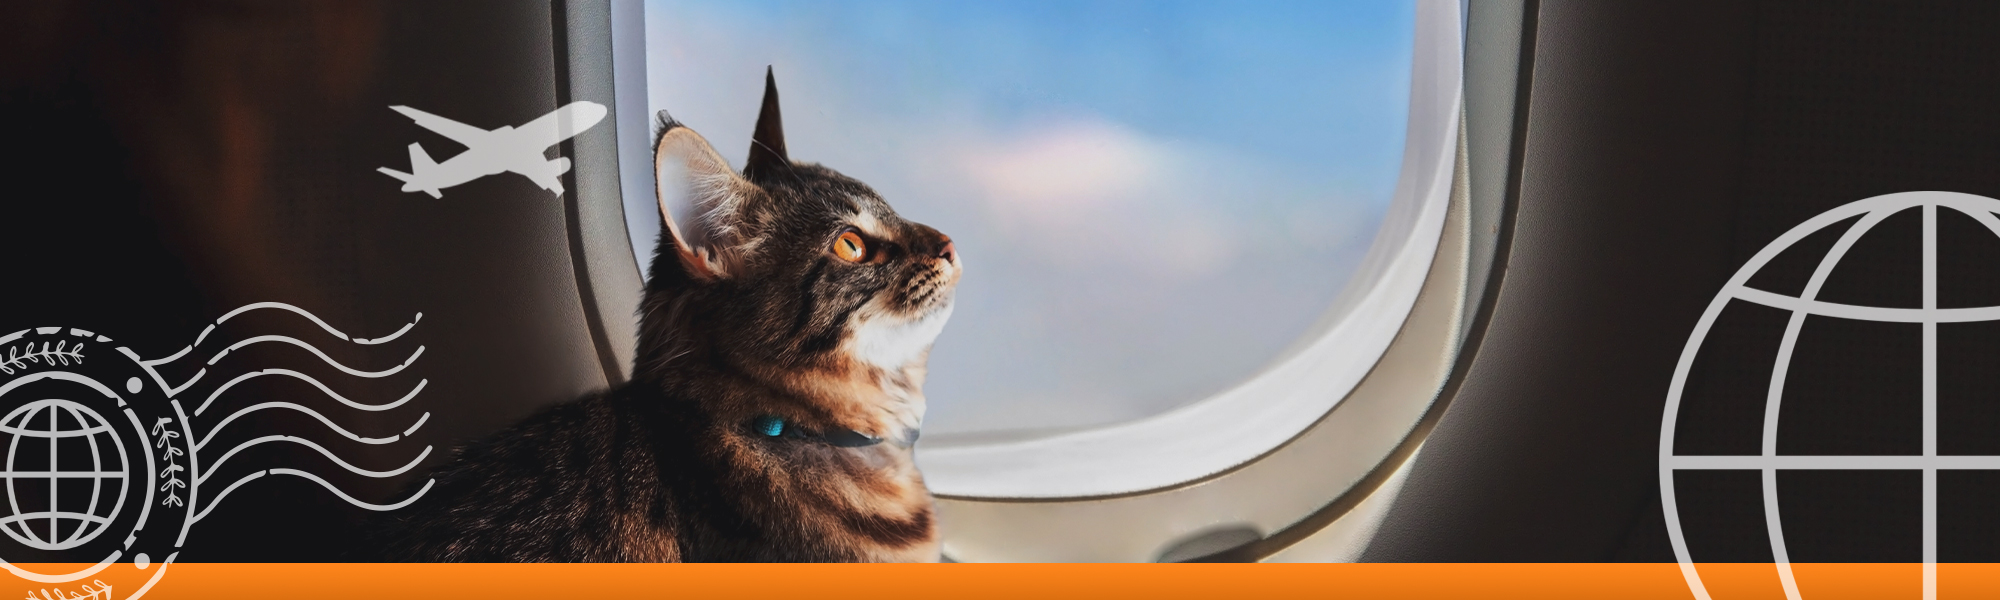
(850, 247)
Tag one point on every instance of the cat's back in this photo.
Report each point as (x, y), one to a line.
(577, 482)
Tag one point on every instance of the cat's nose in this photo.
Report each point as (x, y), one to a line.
(928, 242)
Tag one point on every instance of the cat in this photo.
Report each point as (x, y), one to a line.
(776, 392)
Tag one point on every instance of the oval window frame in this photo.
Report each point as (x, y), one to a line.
(1363, 379)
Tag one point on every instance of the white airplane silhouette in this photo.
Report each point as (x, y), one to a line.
(503, 150)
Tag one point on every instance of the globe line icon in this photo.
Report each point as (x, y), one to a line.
(55, 420)
(1768, 462)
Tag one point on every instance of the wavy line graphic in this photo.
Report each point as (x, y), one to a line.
(212, 467)
(310, 412)
(200, 470)
(322, 483)
(316, 383)
(296, 310)
(322, 356)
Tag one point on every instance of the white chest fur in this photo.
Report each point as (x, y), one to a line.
(890, 345)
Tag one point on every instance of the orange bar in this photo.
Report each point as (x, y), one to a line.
(1015, 582)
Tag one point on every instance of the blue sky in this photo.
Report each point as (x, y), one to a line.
(1152, 198)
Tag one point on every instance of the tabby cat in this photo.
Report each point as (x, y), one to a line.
(777, 390)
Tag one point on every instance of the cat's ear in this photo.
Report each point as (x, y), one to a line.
(701, 200)
(767, 143)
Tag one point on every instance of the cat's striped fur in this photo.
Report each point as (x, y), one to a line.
(746, 315)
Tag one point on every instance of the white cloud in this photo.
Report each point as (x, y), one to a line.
(1092, 193)
(1058, 170)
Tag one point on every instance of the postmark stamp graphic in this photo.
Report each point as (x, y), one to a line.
(106, 457)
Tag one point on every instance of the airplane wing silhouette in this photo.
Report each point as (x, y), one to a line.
(547, 130)
(545, 173)
(458, 132)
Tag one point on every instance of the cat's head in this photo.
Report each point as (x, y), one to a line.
(788, 271)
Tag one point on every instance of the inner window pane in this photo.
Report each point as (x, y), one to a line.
(1152, 199)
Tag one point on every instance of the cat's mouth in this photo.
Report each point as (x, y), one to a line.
(926, 292)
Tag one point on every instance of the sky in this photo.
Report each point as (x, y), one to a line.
(1151, 199)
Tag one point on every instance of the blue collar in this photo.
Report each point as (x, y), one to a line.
(772, 426)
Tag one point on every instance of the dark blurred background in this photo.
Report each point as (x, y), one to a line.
(169, 162)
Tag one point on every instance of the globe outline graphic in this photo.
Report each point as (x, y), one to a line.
(141, 485)
(1768, 462)
(17, 424)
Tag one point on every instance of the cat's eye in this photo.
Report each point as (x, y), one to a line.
(850, 247)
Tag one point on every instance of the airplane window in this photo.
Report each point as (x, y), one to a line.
(1153, 200)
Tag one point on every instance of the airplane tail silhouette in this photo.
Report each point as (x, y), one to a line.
(420, 163)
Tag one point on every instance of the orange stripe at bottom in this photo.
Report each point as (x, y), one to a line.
(1034, 581)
